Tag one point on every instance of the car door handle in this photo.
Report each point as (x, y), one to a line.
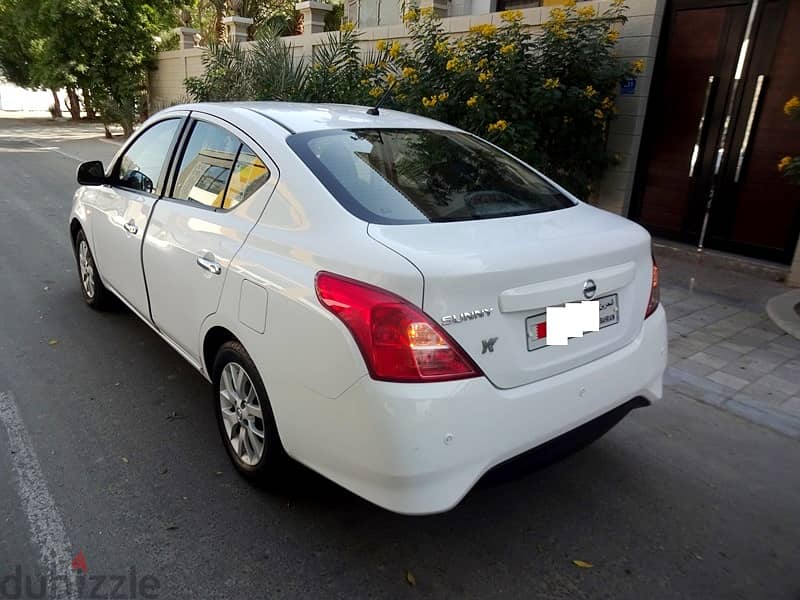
(211, 266)
(131, 227)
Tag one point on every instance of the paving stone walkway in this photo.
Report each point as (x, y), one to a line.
(723, 348)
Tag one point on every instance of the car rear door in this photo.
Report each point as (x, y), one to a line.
(219, 187)
(124, 205)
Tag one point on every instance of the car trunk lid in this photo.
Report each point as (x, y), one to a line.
(489, 283)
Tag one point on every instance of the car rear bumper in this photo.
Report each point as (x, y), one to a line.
(419, 448)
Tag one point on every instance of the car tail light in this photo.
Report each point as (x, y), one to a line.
(398, 341)
(655, 294)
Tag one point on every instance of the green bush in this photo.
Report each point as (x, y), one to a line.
(547, 98)
(789, 166)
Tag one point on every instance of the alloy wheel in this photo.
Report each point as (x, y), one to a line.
(86, 268)
(241, 414)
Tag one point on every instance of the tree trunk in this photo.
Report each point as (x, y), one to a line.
(56, 105)
(88, 105)
(74, 103)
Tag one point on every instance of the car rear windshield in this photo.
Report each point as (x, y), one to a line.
(397, 176)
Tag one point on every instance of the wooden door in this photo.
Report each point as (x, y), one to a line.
(695, 91)
(759, 209)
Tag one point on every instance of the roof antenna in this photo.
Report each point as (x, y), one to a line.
(374, 110)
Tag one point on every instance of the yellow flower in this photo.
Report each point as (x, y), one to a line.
(443, 96)
(500, 125)
(473, 100)
(408, 71)
(410, 15)
(426, 11)
(370, 66)
(607, 103)
(613, 36)
(599, 114)
(590, 91)
(637, 66)
(511, 16)
(375, 92)
(792, 105)
(508, 48)
(618, 3)
(349, 26)
(394, 51)
(486, 30)
(485, 76)
(380, 45)
(429, 102)
(785, 162)
(441, 47)
(586, 12)
(570, 3)
(364, 81)
(452, 64)
(482, 63)
(390, 78)
(557, 17)
(551, 83)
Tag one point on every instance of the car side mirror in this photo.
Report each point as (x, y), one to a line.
(91, 173)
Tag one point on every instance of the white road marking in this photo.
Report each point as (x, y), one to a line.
(56, 150)
(47, 528)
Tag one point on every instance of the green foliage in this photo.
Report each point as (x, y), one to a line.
(546, 98)
(789, 166)
(333, 20)
(226, 75)
(337, 71)
(104, 47)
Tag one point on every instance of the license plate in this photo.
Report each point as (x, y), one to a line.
(536, 325)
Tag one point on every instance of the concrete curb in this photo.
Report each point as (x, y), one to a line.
(743, 405)
(721, 260)
(781, 309)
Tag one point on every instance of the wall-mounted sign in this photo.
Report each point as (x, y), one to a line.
(627, 86)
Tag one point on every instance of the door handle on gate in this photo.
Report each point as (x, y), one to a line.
(702, 124)
(131, 227)
(749, 127)
(211, 266)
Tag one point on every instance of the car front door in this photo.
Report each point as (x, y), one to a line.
(123, 207)
(218, 189)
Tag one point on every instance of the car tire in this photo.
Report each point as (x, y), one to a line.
(244, 417)
(93, 291)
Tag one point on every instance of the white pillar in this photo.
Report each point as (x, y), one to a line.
(186, 37)
(439, 7)
(483, 7)
(314, 14)
(237, 28)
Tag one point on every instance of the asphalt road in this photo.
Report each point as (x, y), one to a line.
(679, 501)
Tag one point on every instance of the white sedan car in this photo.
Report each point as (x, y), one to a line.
(367, 292)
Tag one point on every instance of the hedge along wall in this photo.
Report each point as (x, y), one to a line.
(638, 40)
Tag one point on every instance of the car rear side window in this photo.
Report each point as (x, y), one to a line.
(395, 176)
(249, 174)
(217, 169)
(206, 165)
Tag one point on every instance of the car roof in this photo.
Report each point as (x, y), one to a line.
(298, 117)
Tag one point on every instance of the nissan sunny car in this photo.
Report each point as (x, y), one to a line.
(368, 293)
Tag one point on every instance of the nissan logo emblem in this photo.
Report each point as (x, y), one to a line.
(589, 288)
